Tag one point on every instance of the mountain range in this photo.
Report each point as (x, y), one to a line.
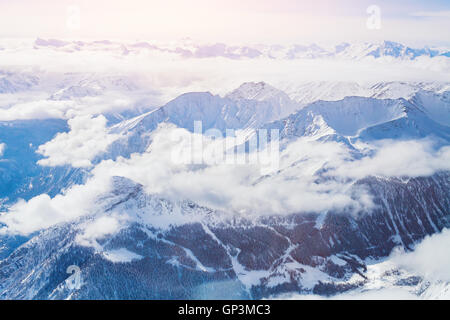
(135, 244)
(190, 49)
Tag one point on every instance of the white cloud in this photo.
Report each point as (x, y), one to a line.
(98, 228)
(26, 105)
(87, 138)
(230, 188)
(158, 77)
(42, 109)
(429, 259)
(397, 159)
(162, 76)
(239, 188)
(242, 188)
(233, 189)
(2, 149)
(41, 212)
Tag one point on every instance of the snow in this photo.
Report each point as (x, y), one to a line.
(388, 280)
(345, 113)
(343, 51)
(264, 92)
(320, 220)
(121, 255)
(248, 278)
(437, 106)
(311, 91)
(338, 261)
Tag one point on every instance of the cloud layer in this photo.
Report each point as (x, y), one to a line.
(87, 138)
(90, 82)
(429, 259)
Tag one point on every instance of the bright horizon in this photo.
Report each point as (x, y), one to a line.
(408, 21)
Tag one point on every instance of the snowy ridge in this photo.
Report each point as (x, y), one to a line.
(190, 49)
(425, 113)
(307, 92)
(369, 119)
(136, 244)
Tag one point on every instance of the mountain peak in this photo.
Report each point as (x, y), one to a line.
(259, 91)
(50, 43)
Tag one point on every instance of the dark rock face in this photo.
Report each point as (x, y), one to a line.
(202, 260)
(259, 247)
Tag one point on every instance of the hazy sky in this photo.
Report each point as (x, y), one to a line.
(269, 21)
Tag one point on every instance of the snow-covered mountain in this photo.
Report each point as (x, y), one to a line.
(385, 49)
(137, 244)
(307, 92)
(260, 91)
(190, 49)
(259, 105)
(249, 106)
(425, 111)
(367, 119)
(200, 252)
(11, 82)
(94, 86)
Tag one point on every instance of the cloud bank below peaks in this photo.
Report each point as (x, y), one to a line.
(312, 176)
(88, 137)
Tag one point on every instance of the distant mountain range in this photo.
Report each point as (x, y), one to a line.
(190, 49)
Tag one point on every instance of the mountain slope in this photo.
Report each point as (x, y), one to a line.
(135, 245)
(362, 118)
(216, 257)
(250, 106)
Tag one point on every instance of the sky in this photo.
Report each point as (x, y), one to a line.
(238, 21)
